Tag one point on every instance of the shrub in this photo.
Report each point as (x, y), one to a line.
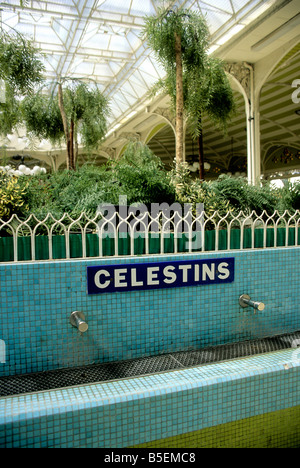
(244, 197)
(231, 194)
(12, 197)
(140, 175)
(194, 191)
(63, 192)
(295, 196)
(289, 197)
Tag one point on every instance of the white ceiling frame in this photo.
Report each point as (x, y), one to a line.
(76, 48)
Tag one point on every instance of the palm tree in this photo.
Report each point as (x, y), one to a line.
(210, 95)
(196, 83)
(74, 110)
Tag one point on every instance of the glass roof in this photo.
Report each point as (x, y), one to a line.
(100, 40)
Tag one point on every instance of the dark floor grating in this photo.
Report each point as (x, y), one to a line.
(40, 381)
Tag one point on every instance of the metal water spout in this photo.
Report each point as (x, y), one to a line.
(77, 319)
(246, 301)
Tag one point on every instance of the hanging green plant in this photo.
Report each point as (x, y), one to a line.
(10, 114)
(42, 117)
(20, 63)
(75, 110)
(21, 69)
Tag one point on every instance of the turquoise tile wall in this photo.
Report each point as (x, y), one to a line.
(37, 299)
(142, 409)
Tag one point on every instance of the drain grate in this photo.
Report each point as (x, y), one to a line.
(41, 381)
(236, 350)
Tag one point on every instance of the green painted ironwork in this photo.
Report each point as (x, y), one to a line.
(281, 237)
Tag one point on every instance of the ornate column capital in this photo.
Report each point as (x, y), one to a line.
(131, 136)
(241, 73)
(167, 114)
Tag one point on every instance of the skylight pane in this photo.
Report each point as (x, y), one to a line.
(26, 29)
(98, 41)
(121, 6)
(134, 40)
(142, 8)
(9, 19)
(101, 38)
(121, 101)
(148, 67)
(221, 5)
(44, 34)
(61, 29)
(64, 7)
(216, 20)
(138, 83)
(102, 69)
(119, 43)
(85, 68)
(115, 67)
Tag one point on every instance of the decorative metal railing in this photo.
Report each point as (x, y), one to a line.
(101, 236)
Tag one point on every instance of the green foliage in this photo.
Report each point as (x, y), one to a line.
(160, 33)
(206, 89)
(21, 69)
(288, 197)
(10, 113)
(138, 175)
(12, 197)
(73, 189)
(230, 194)
(244, 197)
(141, 176)
(194, 191)
(87, 108)
(295, 196)
(219, 100)
(209, 94)
(42, 117)
(64, 192)
(20, 63)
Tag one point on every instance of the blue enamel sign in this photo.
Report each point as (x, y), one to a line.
(173, 274)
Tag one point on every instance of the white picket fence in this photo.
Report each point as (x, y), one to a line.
(191, 229)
